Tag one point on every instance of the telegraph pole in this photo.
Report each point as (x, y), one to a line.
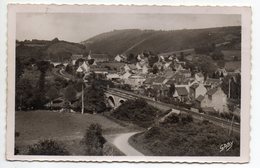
(82, 100)
(231, 126)
(229, 88)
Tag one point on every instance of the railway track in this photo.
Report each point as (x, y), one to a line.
(163, 106)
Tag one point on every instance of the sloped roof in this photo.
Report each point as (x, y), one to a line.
(194, 86)
(212, 80)
(171, 81)
(182, 91)
(131, 66)
(168, 73)
(200, 98)
(208, 109)
(184, 71)
(212, 91)
(159, 79)
(149, 81)
(199, 74)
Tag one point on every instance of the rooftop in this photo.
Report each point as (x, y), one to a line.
(182, 91)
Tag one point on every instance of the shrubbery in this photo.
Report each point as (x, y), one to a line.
(93, 141)
(136, 111)
(190, 139)
(47, 147)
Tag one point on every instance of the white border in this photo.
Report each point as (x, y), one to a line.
(246, 45)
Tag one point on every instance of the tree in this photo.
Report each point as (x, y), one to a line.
(70, 93)
(131, 58)
(91, 61)
(19, 69)
(217, 55)
(155, 69)
(43, 66)
(93, 140)
(69, 69)
(94, 99)
(171, 90)
(181, 58)
(152, 59)
(23, 93)
(52, 94)
(136, 111)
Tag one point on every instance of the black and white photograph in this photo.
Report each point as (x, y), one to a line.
(152, 83)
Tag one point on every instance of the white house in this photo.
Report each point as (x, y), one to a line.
(197, 89)
(118, 58)
(112, 76)
(126, 75)
(135, 80)
(215, 98)
(84, 68)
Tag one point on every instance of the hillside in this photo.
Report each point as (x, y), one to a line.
(55, 50)
(135, 41)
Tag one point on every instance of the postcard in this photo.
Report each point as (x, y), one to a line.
(111, 83)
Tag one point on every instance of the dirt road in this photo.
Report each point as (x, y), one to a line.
(121, 142)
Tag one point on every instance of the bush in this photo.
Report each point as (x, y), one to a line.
(136, 111)
(172, 119)
(93, 140)
(47, 147)
(186, 119)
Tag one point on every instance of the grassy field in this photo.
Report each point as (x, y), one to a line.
(69, 128)
(229, 54)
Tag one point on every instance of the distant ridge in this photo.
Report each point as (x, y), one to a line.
(158, 41)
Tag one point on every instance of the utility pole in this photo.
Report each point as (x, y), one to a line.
(229, 88)
(82, 99)
(231, 126)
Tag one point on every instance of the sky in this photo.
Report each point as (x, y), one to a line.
(77, 27)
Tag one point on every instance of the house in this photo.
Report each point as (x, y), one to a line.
(221, 72)
(126, 75)
(118, 58)
(212, 83)
(186, 73)
(198, 101)
(160, 80)
(129, 67)
(140, 57)
(83, 68)
(215, 98)
(99, 70)
(179, 80)
(168, 73)
(148, 81)
(141, 66)
(167, 65)
(199, 77)
(196, 90)
(181, 93)
(135, 80)
(160, 90)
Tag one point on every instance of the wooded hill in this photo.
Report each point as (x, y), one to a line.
(129, 41)
(136, 41)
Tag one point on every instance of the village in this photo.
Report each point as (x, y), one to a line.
(165, 77)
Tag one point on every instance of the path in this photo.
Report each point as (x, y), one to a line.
(121, 142)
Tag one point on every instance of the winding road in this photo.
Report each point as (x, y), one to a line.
(121, 142)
